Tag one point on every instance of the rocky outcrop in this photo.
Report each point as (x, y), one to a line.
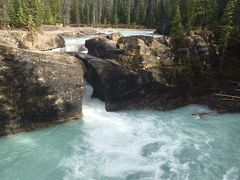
(144, 53)
(79, 33)
(103, 48)
(38, 89)
(42, 42)
(10, 39)
(119, 87)
(72, 48)
(164, 27)
(136, 53)
(114, 36)
(137, 75)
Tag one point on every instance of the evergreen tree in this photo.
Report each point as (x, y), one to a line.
(21, 19)
(140, 11)
(11, 12)
(49, 17)
(177, 28)
(66, 12)
(212, 14)
(161, 10)
(86, 11)
(227, 23)
(56, 8)
(115, 14)
(227, 28)
(4, 15)
(39, 12)
(32, 30)
(128, 11)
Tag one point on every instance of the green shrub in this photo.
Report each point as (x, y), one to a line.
(189, 71)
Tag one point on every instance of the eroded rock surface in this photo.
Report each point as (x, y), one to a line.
(117, 86)
(44, 41)
(138, 71)
(38, 89)
(103, 48)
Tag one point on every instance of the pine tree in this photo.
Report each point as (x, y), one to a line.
(212, 14)
(11, 12)
(39, 12)
(56, 8)
(227, 23)
(161, 11)
(114, 13)
(49, 17)
(86, 11)
(32, 30)
(227, 28)
(177, 28)
(21, 14)
(128, 11)
(4, 16)
(140, 11)
(66, 12)
(1, 14)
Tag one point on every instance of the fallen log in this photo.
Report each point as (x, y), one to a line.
(235, 82)
(201, 114)
(227, 96)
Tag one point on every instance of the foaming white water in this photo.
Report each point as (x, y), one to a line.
(128, 145)
(232, 174)
(138, 145)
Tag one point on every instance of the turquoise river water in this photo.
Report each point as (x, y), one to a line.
(127, 145)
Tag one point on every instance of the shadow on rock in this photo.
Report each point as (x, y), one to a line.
(23, 98)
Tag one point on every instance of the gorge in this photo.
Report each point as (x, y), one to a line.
(127, 144)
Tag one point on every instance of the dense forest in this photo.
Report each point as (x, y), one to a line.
(219, 16)
(149, 13)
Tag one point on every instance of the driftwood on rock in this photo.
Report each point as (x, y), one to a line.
(228, 97)
(201, 114)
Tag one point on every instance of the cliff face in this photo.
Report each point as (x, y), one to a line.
(38, 89)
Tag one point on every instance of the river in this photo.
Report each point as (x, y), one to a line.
(127, 145)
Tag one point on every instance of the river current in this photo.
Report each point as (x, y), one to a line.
(146, 144)
(127, 145)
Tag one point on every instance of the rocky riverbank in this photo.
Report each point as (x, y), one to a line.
(38, 89)
(143, 72)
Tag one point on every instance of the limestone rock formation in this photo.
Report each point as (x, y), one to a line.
(42, 41)
(117, 86)
(103, 48)
(38, 89)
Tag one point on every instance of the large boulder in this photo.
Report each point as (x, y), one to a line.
(144, 53)
(103, 48)
(164, 27)
(9, 39)
(117, 86)
(121, 88)
(198, 47)
(38, 89)
(133, 46)
(135, 53)
(114, 36)
(42, 41)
